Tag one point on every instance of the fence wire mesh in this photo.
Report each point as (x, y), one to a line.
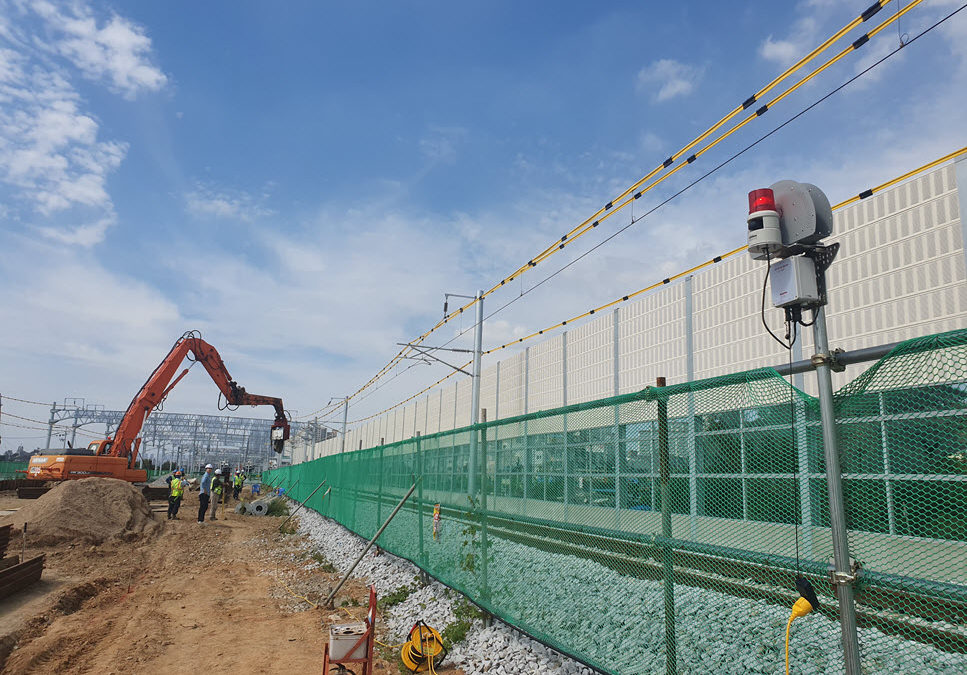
(663, 531)
(12, 470)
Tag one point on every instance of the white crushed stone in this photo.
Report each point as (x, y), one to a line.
(614, 619)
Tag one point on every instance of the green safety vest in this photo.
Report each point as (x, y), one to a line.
(176, 488)
(238, 481)
(217, 487)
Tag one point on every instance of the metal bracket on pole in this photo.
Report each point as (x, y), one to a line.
(425, 351)
(830, 359)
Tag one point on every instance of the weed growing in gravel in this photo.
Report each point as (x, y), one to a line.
(466, 613)
(324, 564)
(277, 507)
(396, 597)
(468, 559)
(289, 528)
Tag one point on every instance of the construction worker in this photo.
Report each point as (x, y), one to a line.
(176, 490)
(237, 481)
(218, 489)
(206, 493)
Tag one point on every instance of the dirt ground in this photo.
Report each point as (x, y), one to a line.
(214, 598)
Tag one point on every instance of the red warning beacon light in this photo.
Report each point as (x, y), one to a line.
(762, 200)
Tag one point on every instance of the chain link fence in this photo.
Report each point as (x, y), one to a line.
(663, 531)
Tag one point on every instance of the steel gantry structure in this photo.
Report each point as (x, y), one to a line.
(179, 439)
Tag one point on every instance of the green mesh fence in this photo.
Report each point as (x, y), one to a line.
(663, 531)
(8, 470)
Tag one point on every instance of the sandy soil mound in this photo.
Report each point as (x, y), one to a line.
(92, 511)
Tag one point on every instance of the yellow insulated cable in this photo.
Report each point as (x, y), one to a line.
(717, 259)
(605, 212)
(575, 235)
(870, 12)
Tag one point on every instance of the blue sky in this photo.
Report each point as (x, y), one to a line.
(302, 181)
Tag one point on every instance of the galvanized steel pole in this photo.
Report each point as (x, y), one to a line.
(372, 541)
(475, 394)
(843, 577)
(50, 425)
(664, 472)
(345, 418)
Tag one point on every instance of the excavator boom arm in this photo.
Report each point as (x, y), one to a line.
(160, 383)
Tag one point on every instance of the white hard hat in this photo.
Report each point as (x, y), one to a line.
(218, 472)
(208, 466)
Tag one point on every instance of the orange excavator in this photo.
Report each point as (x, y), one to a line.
(116, 457)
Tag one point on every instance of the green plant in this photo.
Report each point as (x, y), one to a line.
(455, 633)
(288, 528)
(396, 597)
(324, 564)
(277, 507)
(466, 613)
(468, 555)
(464, 609)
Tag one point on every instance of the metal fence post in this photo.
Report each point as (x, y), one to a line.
(419, 497)
(379, 489)
(843, 577)
(664, 469)
(528, 464)
(484, 539)
(567, 464)
(615, 367)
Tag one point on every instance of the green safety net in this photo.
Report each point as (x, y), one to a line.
(663, 531)
(9, 470)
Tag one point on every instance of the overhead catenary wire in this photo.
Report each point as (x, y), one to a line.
(80, 432)
(865, 194)
(576, 234)
(609, 208)
(22, 400)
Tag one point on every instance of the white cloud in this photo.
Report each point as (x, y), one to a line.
(104, 331)
(803, 37)
(53, 161)
(49, 148)
(671, 77)
(80, 235)
(208, 202)
(117, 51)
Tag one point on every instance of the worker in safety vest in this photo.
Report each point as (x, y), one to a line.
(218, 488)
(176, 490)
(238, 480)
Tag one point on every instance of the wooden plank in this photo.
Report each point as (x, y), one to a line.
(31, 491)
(19, 577)
(5, 539)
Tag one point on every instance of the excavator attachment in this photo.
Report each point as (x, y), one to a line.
(280, 432)
(116, 457)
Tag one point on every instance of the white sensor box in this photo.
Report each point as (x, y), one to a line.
(794, 282)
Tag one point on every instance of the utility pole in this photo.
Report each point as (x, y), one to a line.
(475, 392)
(50, 425)
(74, 428)
(345, 420)
(315, 435)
